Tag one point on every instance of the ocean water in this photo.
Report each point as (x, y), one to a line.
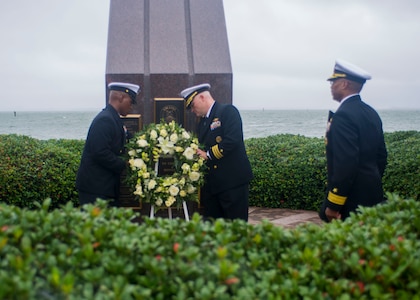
(256, 123)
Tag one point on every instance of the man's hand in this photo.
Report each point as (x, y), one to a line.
(332, 214)
(202, 154)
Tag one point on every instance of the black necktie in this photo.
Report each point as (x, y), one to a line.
(205, 121)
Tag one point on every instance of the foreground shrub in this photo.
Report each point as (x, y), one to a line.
(98, 253)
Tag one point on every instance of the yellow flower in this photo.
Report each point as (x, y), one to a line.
(183, 193)
(179, 149)
(170, 201)
(139, 190)
(194, 146)
(195, 167)
(163, 133)
(185, 168)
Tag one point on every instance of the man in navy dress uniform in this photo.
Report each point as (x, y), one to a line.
(101, 164)
(226, 188)
(355, 146)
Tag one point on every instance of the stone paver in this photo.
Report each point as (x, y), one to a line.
(288, 218)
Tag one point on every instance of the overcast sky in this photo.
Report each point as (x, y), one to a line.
(53, 53)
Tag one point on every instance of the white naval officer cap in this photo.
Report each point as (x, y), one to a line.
(189, 93)
(129, 88)
(344, 69)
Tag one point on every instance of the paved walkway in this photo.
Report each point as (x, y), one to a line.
(288, 218)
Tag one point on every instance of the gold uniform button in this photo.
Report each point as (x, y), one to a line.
(215, 167)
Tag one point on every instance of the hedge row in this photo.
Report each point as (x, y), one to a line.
(98, 253)
(32, 170)
(290, 170)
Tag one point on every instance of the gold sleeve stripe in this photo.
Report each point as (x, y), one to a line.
(216, 152)
(336, 199)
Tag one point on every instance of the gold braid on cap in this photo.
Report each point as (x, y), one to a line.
(191, 97)
(338, 75)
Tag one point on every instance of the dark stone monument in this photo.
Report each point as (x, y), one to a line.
(166, 46)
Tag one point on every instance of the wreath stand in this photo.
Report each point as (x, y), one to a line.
(184, 206)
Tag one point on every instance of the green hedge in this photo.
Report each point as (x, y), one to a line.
(402, 174)
(33, 170)
(290, 170)
(98, 253)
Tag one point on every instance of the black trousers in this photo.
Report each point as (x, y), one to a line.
(230, 204)
(86, 198)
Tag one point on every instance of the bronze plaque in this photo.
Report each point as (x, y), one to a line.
(133, 123)
(127, 198)
(166, 165)
(170, 109)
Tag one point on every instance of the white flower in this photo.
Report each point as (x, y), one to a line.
(166, 145)
(142, 143)
(191, 189)
(182, 193)
(159, 202)
(173, 138)
(146, 175)
(153, 134)
(189, 153)
(179, 149)
(152, 184)
(185, 135)
(132, 153)
(194, 176)
(173, 190)
(137, 163)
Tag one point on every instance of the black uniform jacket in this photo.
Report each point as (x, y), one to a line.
(101, 164)
(222, 136)
(356, 157)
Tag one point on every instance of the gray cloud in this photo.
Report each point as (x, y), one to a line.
(53, 53)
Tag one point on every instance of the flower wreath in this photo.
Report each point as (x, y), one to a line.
(165, 140)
